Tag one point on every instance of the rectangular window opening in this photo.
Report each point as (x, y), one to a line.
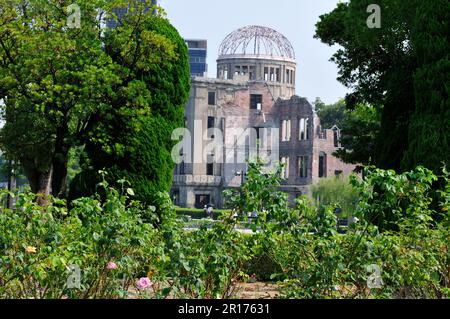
(211, 122)
(252, 73)
(182, 168)
(255, 101)
(322, 165)
(211, 98)
(210, 169)
(272, 74)
(286, 130)
(303, 129)
(303, 166)
(285, 170)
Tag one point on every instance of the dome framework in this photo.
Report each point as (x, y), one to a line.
(257, 41)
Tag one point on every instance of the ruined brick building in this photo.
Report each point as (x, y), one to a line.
(251, 109)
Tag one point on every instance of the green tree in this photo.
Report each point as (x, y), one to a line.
(133, 138)
(359, 131)
(388, 66)
(50, 83)
(64, 87)
(359, 127)
(429, 137)
(331, 114)
(259, 193)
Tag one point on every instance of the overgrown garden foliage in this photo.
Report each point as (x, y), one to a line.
(300, 247)
(338, 191)
(41, 244)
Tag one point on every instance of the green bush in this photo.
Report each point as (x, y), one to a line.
(259, 194)
(204, 264)
(263, 267)
(299, 247)
(336, 191)
(413, 259)
(198, 223)
(38, 245)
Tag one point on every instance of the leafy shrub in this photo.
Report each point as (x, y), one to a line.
(336, 191)
(204, 264)
(413, 259)
(198, 223)
(387, 198)
(38, 245)
(300, 247)
(259, 194)
(263, 267)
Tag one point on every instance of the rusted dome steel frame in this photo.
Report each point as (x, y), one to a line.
(257, 40)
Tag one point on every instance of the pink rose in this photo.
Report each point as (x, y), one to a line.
(144, 283)
(111, 265)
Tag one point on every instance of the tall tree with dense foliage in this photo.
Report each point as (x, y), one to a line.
(52, 79)
(330, 114)
(395, 69)
(133, 137)
(60, 83)
(359, 131)
(429, 136)
(358, 126)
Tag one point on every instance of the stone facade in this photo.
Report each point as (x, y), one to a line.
(250, 110)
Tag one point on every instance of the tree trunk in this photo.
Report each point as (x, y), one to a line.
(45, 187)
(11, 184)
(40, 183)
(60, 161)
(59, 176)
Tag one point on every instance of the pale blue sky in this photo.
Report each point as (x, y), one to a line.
(213, 20)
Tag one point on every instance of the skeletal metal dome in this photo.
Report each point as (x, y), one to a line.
(257, 41)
